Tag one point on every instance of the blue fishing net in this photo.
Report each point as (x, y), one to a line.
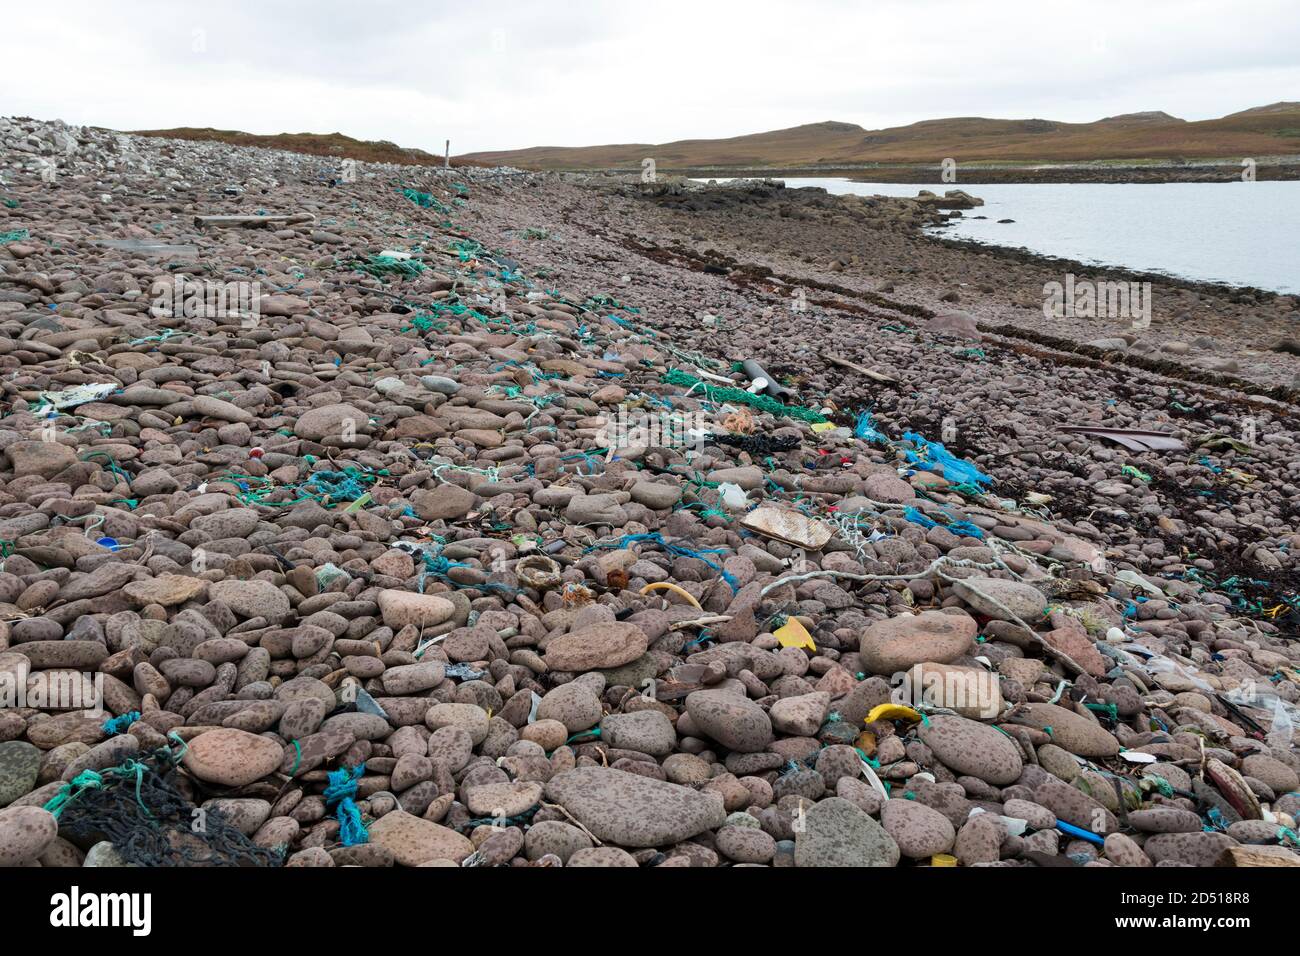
(932, 456)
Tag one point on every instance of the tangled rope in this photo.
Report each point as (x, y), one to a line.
(381, 265)
(758, 446)
(341, 794)
(721, 394)
(325, 487)
(677, 549)
(136, 807)
(426, 201)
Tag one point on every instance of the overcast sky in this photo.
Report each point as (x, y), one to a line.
(504, 74)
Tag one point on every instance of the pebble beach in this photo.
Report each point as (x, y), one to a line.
(473, 517)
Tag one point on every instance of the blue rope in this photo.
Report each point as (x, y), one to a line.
(119, 725)
(438, 566)
(914, 515)
(865, 428)
(677, 549)
(341, 790)
(959, 528)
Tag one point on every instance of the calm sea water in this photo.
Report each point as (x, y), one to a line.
(1238, 233)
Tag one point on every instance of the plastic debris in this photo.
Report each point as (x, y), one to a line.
(933, 456)
(1132, 438)
(789, 526)
(793, 634)
(77, 395)
(892, 712)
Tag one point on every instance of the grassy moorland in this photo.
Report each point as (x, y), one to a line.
(1265, 131)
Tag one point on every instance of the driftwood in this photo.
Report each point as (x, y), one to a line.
(869, 373)
(253, 222)
(1257, 856)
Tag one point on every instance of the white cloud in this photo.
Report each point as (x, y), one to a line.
(506, 74)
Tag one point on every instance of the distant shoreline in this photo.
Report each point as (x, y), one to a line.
(875, 256)
(1283, 168)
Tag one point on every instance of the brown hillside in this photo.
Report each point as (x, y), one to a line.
(1263, 131)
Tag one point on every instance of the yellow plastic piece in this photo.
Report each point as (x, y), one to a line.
(891, 712)
(794, 634)
(943, 859)
(679, 591)
(823, 426)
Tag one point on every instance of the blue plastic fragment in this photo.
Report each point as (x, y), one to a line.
(1082, 834)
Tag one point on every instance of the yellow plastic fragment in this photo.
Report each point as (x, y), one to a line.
(680, 591)
(823, 426)
(891, 712)
(794, 634)
(943, 859)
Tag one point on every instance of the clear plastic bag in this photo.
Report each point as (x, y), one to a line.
(1279, 717)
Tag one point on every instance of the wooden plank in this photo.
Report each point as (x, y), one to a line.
(147, 248)
(1258, 856)
(253, 222)
(869, 373)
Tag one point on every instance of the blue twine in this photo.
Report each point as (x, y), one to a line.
(339, 485)
(437, 566)
(587, 458)
(341, 790)
(677, 549)
(704, 636)
(119, 725)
